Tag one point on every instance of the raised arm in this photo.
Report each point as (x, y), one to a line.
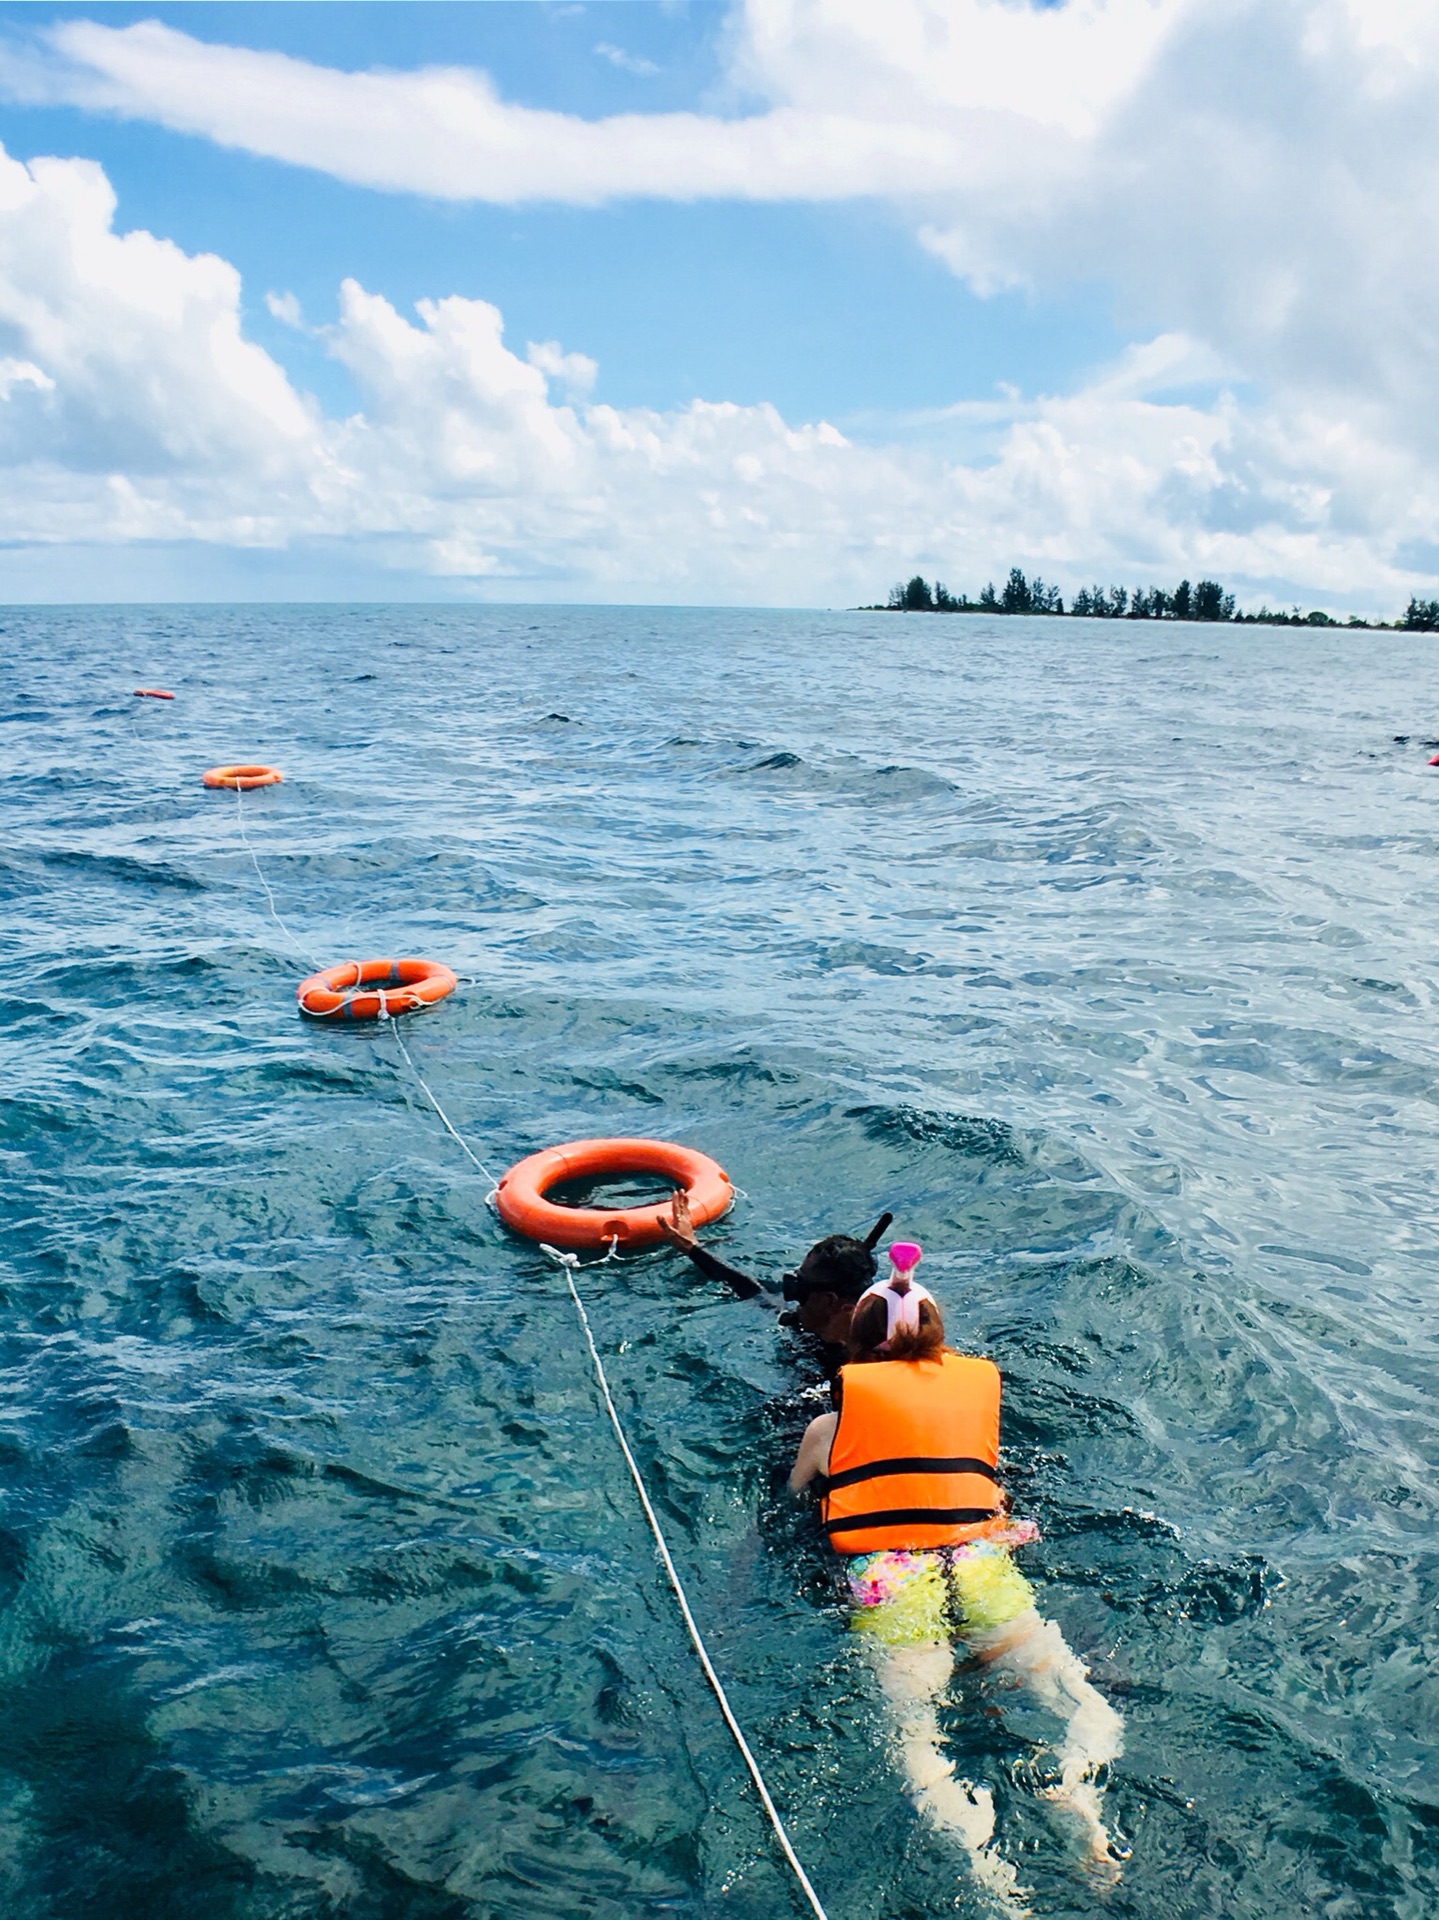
(679, 1231)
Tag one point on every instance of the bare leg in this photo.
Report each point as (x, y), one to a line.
(1036, 1652)
(913, 1680)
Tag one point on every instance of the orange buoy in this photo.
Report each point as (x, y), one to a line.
(152, 693)
(403, 986)
(241, 779)
(520, 1196)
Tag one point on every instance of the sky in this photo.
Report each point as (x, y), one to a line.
(769, 302)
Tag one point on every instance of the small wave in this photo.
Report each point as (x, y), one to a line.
(908, 783)
(125, 868)
(23, 1116)
(137, 983)
(572, 941)
(872, 958)
(975, 1136)
(1310, 1256)
(1136, 1559)
(852, 779)
(600, 1081)
(187, 1290)
(323, 1078)
(1213, 1593)
(741, 1071)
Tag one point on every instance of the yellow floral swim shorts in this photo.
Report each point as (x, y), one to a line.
(907, 1596)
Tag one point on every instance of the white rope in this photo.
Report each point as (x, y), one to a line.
(445, 1121)
(569, 1262)
(308, 958)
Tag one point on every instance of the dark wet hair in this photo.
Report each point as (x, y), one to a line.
(869, 1326)
(839, 1264)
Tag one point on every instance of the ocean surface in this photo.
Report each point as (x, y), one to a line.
(1102, 955)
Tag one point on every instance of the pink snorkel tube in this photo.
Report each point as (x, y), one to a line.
(904, 1257)
(901, 1292)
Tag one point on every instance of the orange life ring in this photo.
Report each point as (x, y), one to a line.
(412, 984)
(153, 693)
(241, 779)
(521, 1203)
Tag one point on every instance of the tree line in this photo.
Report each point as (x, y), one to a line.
(1204, 600)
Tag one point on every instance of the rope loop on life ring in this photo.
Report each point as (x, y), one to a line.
(398, 986)
(520, 1198)
(242, 779)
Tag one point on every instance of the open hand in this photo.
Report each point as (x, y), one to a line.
(679, 1228)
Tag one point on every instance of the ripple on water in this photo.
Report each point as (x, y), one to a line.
(322, 1588)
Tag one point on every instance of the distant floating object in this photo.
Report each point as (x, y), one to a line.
(1435, 761)
(241, 779)
(397, 986)
(152, 693)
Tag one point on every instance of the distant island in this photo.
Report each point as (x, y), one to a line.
(1206, 600)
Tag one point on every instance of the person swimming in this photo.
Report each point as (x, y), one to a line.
(824, 1287)
(907, 1476)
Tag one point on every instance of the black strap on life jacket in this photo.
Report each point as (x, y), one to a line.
(914, 1516)
(909, 1463)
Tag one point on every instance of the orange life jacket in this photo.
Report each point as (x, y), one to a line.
(914, 1455)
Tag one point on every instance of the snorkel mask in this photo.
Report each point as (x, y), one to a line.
(817, 1275)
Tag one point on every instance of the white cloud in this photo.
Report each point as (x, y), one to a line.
(626, 62)
(134, 360)
(964, 63)
(23, 373)
(285, 308)
(445, 132)
(575, 372)
(134, 409)
(1261, 176)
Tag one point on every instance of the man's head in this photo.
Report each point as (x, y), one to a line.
(830, 1279)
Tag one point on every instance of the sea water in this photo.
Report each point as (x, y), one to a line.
(1103, 955)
